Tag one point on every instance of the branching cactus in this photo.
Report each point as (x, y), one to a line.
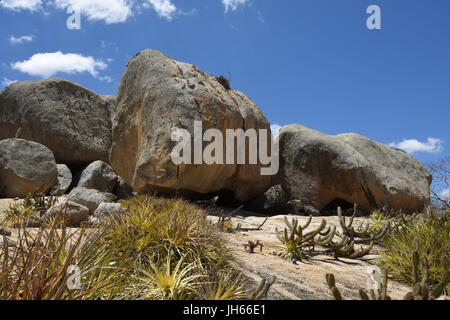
(294, 238)
(345, 248)
(422, 290)
(261, 292)
(362, 235)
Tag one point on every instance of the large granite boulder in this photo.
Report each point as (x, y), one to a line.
(25, 167)
(318, 169)
(99, 176)
(72, 121)
(64, 181)
(158, 95)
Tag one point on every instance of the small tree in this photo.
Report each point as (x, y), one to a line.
(440, 170)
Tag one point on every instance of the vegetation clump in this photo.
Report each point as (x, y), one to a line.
(428, 235)
(157, 249)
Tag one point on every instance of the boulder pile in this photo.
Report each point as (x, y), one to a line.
(59, 138)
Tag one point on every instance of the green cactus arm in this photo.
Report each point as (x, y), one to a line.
(307, 223)
(323, 242)
(314, 233)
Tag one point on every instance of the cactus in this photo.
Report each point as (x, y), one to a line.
(261, 292)
(331, 281)
(225, 224)
(422, 289)
(363, 235)
(294, 239)
(345, 248)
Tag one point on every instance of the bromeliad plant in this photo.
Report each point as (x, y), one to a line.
(38, 267)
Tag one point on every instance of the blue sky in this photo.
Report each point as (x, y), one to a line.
(312, 62)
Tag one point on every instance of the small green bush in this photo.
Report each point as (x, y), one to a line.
(433, 235)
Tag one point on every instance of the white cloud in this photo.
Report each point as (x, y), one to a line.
(233, 4)
(13, 40)
(110, 11)
(164, 8)
(275, 129)
(432, 145)
(6, 82)
(18, 5)
(445, 194)
(46, 65)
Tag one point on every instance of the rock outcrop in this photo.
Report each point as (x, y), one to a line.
(158, 95)
(72, 121)
(99, 176)
(317, 169)
(25, 167)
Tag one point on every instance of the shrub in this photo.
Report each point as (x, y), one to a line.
(39, 266)
(224, 82)
(433, 242)
(157, 249)
(174, 251)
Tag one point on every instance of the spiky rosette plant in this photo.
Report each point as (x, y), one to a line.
(294, 239)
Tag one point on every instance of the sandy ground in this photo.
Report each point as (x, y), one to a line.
(301, 280)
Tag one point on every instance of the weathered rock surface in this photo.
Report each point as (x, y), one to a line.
(72, 121)
(25, 167)
(158, 95)
(106, 210)
(99, 176)
(111, 101)
(64, 180)
(74, 213)
(317, 169)
(90, 198)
